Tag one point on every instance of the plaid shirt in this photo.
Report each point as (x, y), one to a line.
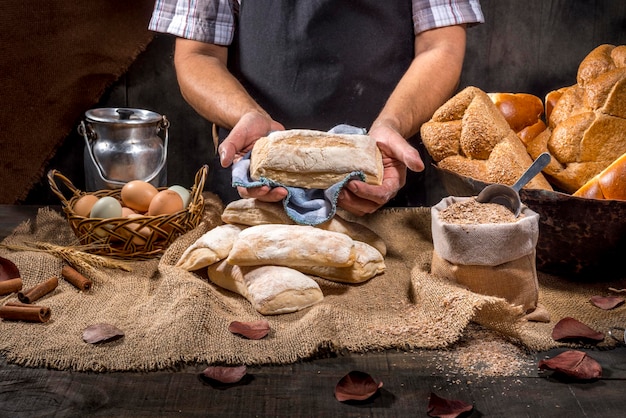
(213, 21)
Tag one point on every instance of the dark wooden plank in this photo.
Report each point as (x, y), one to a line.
(299, 390)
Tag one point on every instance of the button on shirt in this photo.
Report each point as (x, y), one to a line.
(213, 21)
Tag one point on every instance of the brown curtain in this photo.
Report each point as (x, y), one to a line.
(57, 57)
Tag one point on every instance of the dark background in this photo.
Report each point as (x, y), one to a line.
(524, 46)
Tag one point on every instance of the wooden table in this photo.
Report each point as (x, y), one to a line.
(306, 389)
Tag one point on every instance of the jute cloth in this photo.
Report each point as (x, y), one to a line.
(171, 317)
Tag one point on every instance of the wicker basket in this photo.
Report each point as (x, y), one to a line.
(119, 237)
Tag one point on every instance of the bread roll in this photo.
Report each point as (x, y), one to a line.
(271, 290)
(469, 136)
(213, 246)
(369, 262)
(291, 245)
(315, 159)
(519, 109)
(609, 184)
(253, 212)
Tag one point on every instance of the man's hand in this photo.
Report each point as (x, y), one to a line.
(249, 128)
(361, 198)
(241, 139)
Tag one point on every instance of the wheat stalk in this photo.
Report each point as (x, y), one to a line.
(74, 255)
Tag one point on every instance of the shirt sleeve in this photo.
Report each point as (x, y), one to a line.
(210, 21)
(430, 14)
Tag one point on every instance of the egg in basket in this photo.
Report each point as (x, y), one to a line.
(138, 221)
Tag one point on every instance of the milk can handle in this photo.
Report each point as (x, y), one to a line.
(89, 135)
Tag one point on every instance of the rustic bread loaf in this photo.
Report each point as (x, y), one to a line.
(291, 245)
(368, 263)
(469, 136)
(211, 247)
(253, 212)
(315, 159)
(271, 290)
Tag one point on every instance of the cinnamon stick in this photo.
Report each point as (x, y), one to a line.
(24, 312)
(10, 286)
(38, 291)
(75, 278)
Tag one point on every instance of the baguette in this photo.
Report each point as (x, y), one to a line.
(315, 159)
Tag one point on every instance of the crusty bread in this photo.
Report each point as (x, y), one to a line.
(470, 136)
(609, 184)
(369, 262)
(211, 247)
(291, 245)
(271, 290)
(253, 212)
(315, 159)
(587, 124)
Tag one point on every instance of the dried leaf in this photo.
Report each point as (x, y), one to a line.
(225, 374)
(101, 333)
(254, 330)
(576, 364)
(446, 408)
(356, 386)
(606, 302)
(8, 269)
(572, 329)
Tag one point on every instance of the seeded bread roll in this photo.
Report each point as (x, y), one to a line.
(587, 121)
(468, 135)
(315, 159)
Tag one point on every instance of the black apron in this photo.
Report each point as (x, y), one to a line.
(314, 64)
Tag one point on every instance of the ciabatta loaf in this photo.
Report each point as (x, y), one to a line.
(271, 290)
(315, 159)
(291, 245)
(252, 212)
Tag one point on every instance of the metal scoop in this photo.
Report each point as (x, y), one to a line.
(508, 196)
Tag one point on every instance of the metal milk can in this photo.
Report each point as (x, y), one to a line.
(123, 144)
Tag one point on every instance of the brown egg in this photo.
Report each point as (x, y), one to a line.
(83, 205)
(127, 211)
(165, 202)
(137, 195)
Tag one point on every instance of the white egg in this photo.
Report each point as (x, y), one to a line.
(106, 207)
(184, 193)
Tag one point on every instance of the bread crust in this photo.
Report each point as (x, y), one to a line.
(315, 159)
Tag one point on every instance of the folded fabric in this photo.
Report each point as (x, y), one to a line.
(303, 206)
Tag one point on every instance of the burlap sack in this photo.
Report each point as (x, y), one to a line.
(494, 259)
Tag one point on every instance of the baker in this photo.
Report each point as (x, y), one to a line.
(260, 66)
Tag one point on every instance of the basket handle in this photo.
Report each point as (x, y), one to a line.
(198, 186)
(52, 174)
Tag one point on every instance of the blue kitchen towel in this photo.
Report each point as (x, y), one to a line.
(303, 206)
